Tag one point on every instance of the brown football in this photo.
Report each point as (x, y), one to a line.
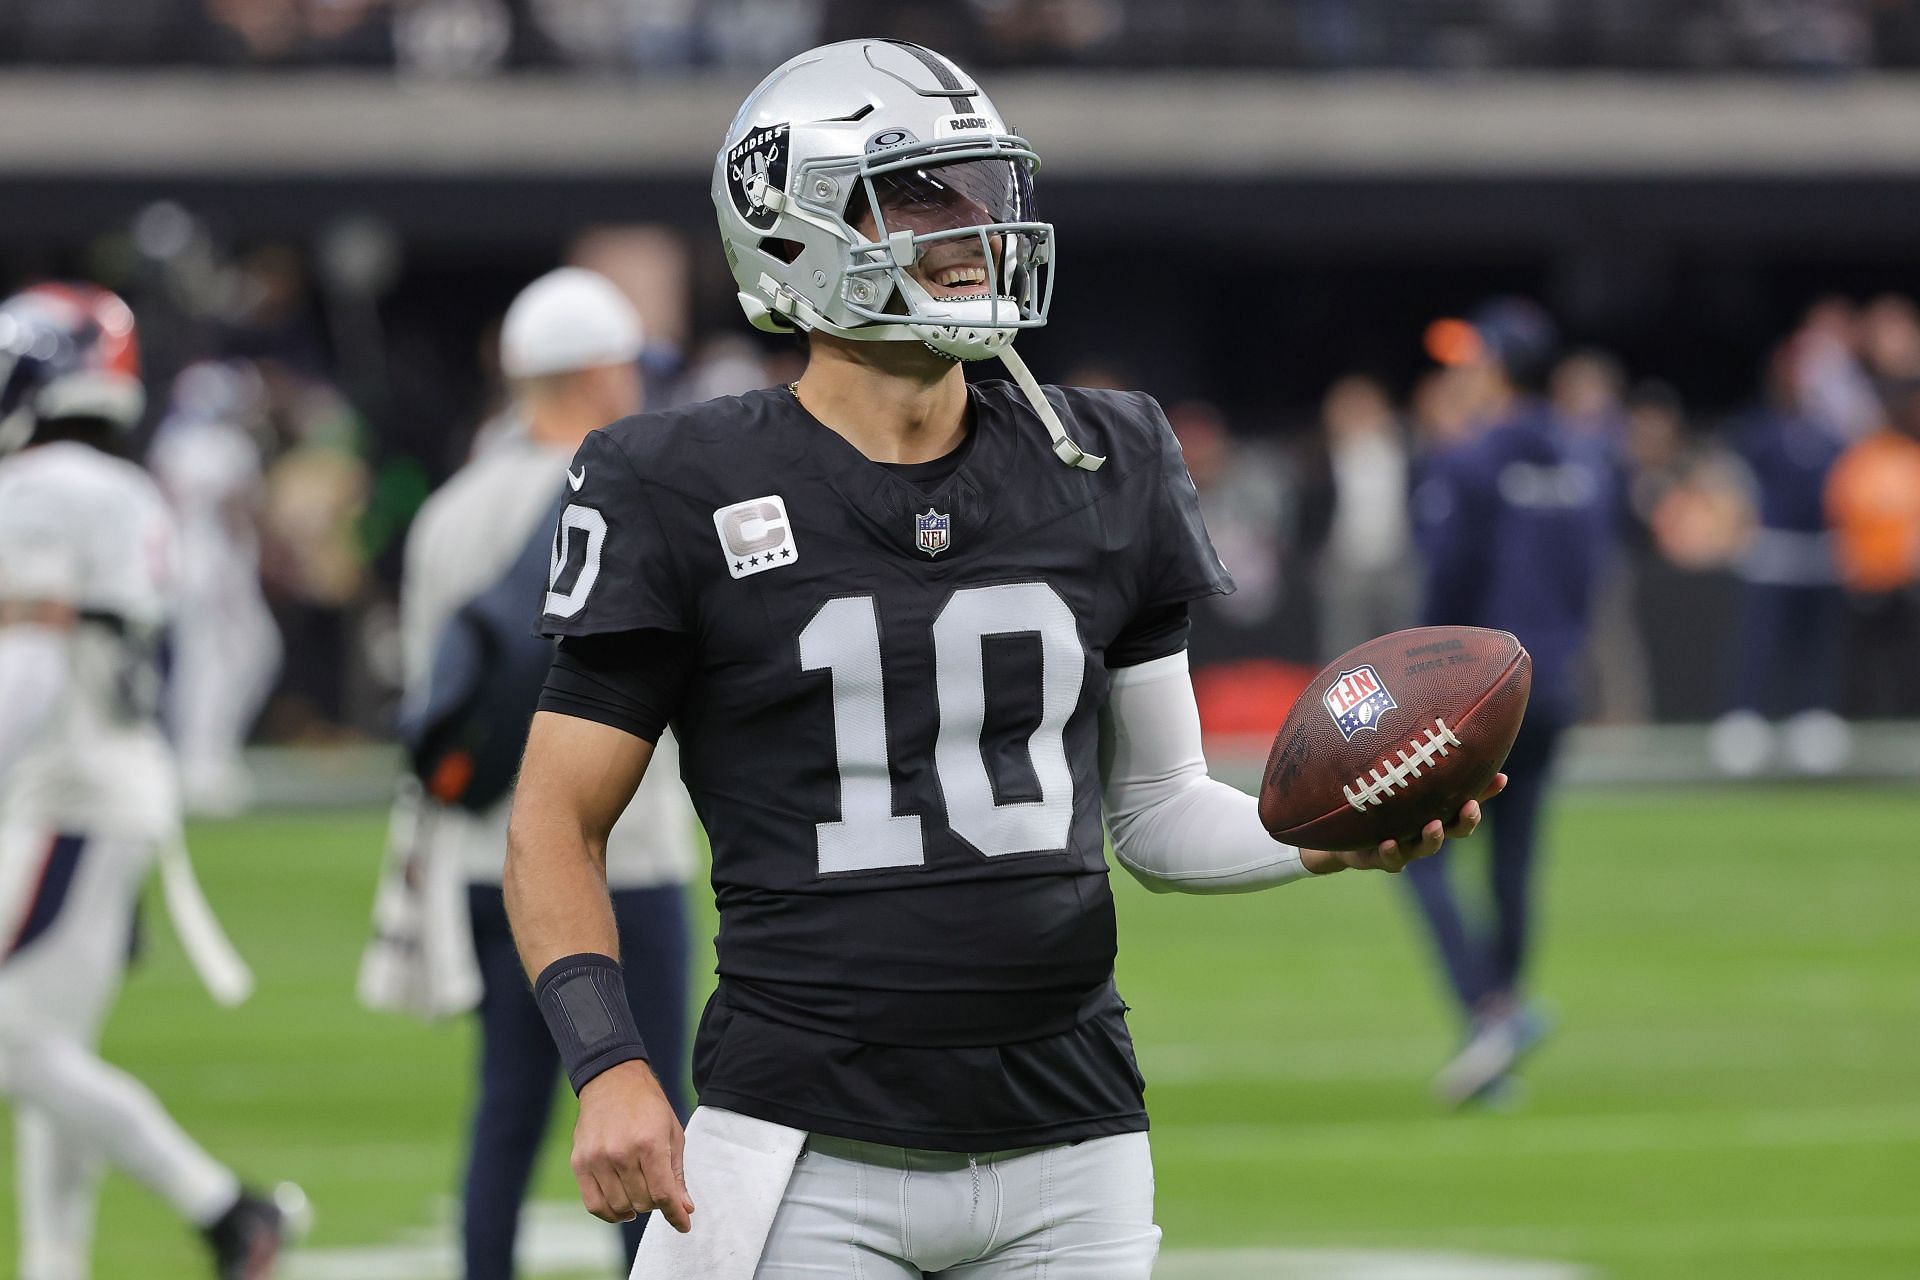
(1393, 734)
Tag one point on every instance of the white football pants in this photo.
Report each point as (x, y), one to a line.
(66, 904)
(227, 652)
(857, 1211)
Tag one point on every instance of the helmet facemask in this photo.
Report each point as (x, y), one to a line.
(919, 212)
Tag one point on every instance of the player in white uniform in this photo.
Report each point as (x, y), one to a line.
(569, 342)
(87, 786)
(226, 646)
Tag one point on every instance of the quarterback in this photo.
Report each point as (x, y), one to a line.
(88, 796)
(923, 645)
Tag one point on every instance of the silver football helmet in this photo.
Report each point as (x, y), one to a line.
(868, 189)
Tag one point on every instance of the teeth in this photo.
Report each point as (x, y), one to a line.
(954, 276)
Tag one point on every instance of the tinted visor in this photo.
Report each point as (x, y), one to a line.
(947, 197)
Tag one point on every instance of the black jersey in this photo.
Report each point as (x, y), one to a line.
(890, 733)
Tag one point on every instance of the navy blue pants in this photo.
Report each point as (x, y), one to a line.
(1788, 650)
(1488, 960)
(520, 1068)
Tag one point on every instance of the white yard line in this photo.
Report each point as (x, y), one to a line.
(555, 1240)
(1351, 1264)
(1748, 1236)
(561, 1241)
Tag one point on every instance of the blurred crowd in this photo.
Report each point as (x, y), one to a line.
(301, 409)
(478, 37)
(1768, 572)
(1771, 555)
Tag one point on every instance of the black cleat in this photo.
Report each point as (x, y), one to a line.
(248, 1238)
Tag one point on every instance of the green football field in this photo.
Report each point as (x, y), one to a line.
(1733, 1091)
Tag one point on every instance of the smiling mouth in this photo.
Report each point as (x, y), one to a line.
(963, 280)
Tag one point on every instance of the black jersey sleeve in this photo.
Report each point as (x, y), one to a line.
(613, 568)
(632, 681)
(1181, 562)
(1153, 634)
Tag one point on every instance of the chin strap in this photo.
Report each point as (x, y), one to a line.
(1063, 447)
(792, 309)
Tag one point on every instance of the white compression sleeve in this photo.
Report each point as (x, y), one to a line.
(33, 676)
(1176, 829)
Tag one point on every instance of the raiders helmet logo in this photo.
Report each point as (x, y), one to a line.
(755, 165)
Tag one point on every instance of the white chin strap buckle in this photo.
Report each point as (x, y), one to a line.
(1073, 455)
(1063, 446)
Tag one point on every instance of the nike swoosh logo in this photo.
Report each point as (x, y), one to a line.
(575, 481)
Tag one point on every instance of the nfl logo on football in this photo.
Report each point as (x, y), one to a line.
(1357, 700)
(932, 532)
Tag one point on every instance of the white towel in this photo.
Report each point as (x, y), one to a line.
(420, 958)
(737, 1170)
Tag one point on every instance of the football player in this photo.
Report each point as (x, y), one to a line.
(1517, 525)
(226, 646)
(87, 790)
(917, 638)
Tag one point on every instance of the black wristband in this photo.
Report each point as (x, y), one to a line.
(584, 1000)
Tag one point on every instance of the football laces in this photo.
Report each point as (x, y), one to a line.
(1389, 776)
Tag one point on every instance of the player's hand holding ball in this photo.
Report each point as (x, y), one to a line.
(1392, 856)
(1392, 748)
(627, 1148)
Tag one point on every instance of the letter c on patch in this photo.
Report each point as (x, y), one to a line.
(753, 527)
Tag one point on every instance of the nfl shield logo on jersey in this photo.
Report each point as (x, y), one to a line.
(932, 532)
(1357, 699)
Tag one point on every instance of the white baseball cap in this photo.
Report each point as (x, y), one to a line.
(566, 320)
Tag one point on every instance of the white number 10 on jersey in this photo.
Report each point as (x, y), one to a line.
(844, 639)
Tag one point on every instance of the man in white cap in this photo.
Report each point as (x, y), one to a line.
(475, 574)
